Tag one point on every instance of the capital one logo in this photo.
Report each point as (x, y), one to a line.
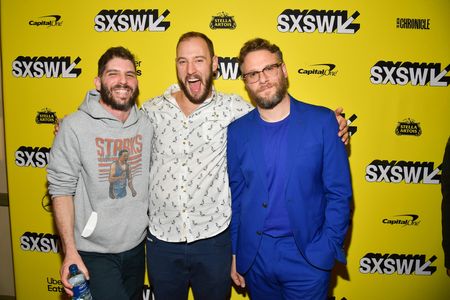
(322, 21)
(134, 20)
(415, 73)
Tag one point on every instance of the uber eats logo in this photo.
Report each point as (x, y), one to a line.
(39, 242)
(36, 157)
(134, 20)
(401, 264)
(406, 171)
(323, 21)
(46, 66)
(415, 73)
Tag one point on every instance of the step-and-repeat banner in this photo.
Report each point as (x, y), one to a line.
(385, 62)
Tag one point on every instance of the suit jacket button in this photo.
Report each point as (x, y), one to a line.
(258, 232)
(264, 204)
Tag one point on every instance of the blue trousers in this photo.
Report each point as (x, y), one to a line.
(116, 276)
(204, 265)
(280, 272)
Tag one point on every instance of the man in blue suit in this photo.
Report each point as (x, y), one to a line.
(290, 185)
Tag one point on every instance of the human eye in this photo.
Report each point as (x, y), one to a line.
(111, 73)
(251, 75)
(269, 68)
(181, 62)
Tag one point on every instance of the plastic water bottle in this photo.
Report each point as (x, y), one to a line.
(80, 286)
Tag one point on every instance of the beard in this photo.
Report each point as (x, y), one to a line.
(270, 102)
(207, 88)
(108, 98)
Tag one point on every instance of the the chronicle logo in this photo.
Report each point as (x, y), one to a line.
(407, 23)
(323, 21)
(408, 127)
(406, 171)
(134, 20)
(319, 69)
(403, 220)
(222, 21)
(39, 242)
(47, 21)
(46, 66)
(228, 68)
(32, 156)
(402, 264)
(46, 203)
(46, 116)
(402, 73)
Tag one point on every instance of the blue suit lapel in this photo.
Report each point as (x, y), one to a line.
(255, 133)
(296, 134)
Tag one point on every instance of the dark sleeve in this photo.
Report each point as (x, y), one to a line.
(445, 188)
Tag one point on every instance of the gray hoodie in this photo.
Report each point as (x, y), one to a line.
(104, 164)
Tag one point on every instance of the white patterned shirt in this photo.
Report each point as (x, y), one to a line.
(189, 194)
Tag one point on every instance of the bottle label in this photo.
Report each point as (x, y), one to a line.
(80, 290)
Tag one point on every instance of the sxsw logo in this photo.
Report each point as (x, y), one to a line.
(48, 21)
(407, 171)
(32, 156)
(46, 66)
(323, 21)
(351, 129)
(404, 220)
(228, 68)
(39, 242)
(402, 73)
(147, 293)
(402, 264)
(134, 20)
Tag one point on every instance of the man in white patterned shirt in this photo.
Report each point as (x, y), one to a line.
(190, 203)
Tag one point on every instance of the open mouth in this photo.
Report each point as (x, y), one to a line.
(121, 91)
(195, 84)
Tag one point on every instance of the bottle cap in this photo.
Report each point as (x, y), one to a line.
(73, 269)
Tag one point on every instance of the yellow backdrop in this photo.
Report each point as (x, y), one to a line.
(385, 62)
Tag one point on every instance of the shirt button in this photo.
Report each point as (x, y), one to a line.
(264, 204)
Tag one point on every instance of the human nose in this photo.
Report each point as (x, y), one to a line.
(123, 78)
(191, 69)
(263, 76)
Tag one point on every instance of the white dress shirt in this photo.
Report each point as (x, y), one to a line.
(189, 193)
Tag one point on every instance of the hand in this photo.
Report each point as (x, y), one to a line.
(70, 259)
(237, 278)
(343, 126)
(57, 125)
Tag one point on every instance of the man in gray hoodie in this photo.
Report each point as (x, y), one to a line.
(102, 231)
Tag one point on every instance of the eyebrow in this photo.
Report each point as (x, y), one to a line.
(182, 57)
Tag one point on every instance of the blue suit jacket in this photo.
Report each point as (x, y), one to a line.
(318, 189)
